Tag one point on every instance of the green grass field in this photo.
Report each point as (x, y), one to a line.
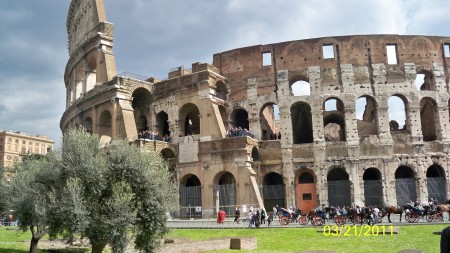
(284, 239)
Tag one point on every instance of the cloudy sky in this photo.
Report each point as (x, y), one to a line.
(153, 36)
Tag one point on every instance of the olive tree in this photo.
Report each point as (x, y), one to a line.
(112, 191)
(28, 194)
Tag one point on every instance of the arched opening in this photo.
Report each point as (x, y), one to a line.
(373, 187)
(79, 83)
(255, 154)
(225, 193)
(190, 119)
(88, 125)
(397, 114)
(302, 128)
(141, 108)
(301, 88)
(91, 74)
(239, 118)
(405, 185)
(162, 124)
(190, 197)
(436, 183)
(428, 119)
(221, 91)
(105, 127)
(269, 117)
(305, 191)
(334, 120)
(366, 115)
(339, 193)
(425, 81)
(273, 190)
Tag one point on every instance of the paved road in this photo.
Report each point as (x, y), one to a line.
(211, 223)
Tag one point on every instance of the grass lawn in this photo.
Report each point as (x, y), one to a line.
(297, 239)
(283, 239)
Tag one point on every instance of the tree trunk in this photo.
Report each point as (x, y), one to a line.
(34, 245)
(97, 247)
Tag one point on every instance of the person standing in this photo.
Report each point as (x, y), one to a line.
(375, 215)
(250, 218)
(263, 216)
(221, 216)
(237, 215)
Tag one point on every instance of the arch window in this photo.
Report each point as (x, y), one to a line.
(190, 196)
(273, 190)
(269, 119)
(239, 118)
(436, 183)
(397, 114)
(405, 185)
(225, 192)
(302, 128)
(190, 119)
(366, 115)
(428, 119)
(334, 120)
(142, 100)
(301, 88)
(373, 187)
(338, 188)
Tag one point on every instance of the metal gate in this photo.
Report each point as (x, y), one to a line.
(227, 197)
(405, 190)
(339, 193)
(373, 193)
(190, 201)
(273, 195)
(436, 189)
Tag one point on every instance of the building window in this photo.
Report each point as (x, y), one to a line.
(24, 150)
(446, 50)
(30, 143)
(267, 58)
(9, 140)
(328, 51)
(37, 144)
(391, 51)
(1, 147)
(17, 141)
(24, 142)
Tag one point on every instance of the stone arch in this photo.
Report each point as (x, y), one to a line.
(91, 74)
(162, 123)
(398, 118)
(255, 154)
(190, 196)
(302, 127)
(367, 116)
(239, 118)
(79, 83)
(305, 190)
(428, 119)
(425, 80)
(189, 119)
(334, 119)
(339, 189)
(273, 190)
(436, 183)
(141, 100)
(405, 185)
(105, 127)
(225, 192)
(87, 124)
(300, 86)
(269, 117)
(221, 91)
(373, 187)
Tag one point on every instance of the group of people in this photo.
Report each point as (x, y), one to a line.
(154, 135)
(239, 131)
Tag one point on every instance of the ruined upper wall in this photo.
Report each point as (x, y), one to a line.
(83, 17)
(359, 51)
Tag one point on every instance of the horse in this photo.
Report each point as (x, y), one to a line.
(444, 208)
(394, 210)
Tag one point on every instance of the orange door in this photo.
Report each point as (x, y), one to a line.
(306, 196)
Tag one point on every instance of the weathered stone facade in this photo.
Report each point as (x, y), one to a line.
(324, 156)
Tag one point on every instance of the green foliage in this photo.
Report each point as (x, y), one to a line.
(110, 191)
(2, 189)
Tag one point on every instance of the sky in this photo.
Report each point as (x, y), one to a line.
(154, 36)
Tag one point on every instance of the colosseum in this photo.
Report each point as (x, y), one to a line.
(307, 123)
